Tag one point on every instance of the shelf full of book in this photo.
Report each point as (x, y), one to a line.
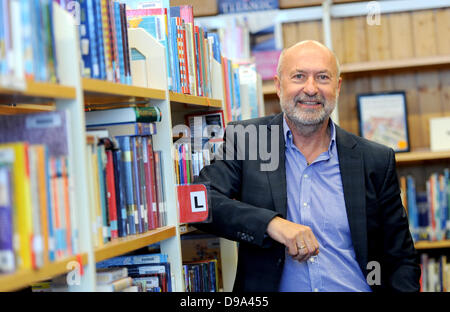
(24, 278)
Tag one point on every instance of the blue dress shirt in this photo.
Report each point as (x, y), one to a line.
(315, 198)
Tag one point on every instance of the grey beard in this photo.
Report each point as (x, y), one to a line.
(305, 129)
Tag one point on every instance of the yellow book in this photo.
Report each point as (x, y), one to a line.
(22, 216)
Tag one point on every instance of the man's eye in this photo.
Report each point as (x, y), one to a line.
(323, 77)
(299, 76)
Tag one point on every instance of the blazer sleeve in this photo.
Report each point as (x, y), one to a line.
(232, 218)
(401, 270)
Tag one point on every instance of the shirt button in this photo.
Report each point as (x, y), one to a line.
(305, 204)
(316, 289)
(306, 176)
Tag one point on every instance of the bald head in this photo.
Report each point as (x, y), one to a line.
(309, 46)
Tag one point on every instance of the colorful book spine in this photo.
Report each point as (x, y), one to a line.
(136, 184)
(155, 201)
(142, 183)
(100, 42)
(107, 40)
(127, 171)
(111, 195)
(120, 51)
(22, 214)
(120, 194)
(7, 257)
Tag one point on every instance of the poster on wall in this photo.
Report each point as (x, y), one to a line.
(383, 119)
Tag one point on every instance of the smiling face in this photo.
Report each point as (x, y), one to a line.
(307, 83)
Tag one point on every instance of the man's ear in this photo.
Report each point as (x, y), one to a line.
(277, 82)
(339, 85)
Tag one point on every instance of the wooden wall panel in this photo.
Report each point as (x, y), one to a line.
(424, 31)
(355, 40)
(337, 36)
(429, 100)
(401, 41)
(310, 31)
(378, 40)
(443, 31)
(290, 34)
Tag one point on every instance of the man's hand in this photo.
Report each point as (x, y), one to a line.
(294, 236)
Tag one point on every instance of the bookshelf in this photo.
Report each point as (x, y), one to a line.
(43, 90)
(24, 278)
(432, 245)
(124, 245)
(94, 88)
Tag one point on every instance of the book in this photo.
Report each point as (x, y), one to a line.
(115, 286)
(7, 257)
(22, 213)
(109, 275)
(133, 259)
(127, 129)
(123, 115)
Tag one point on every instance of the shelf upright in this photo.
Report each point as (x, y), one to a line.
(68, 60)
(156, 77)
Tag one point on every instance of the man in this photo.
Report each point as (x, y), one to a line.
(329, 216)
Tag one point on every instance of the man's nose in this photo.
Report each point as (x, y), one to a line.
(310, 87)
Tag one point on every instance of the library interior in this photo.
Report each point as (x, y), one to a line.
(113, 117)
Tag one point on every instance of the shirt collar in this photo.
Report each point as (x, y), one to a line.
(289, 140)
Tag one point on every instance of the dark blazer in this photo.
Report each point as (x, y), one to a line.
(244, 199)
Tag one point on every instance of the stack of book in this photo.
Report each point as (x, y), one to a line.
(429, 209)
(114, 280)
(127, 173)
(190, 48)
(27, 43)
(201, 276)
(149, 272)
(104, 40)
(37, 215)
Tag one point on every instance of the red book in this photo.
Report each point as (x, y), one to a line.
(111, 194)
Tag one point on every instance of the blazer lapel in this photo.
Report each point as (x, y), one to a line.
(277, 178)
(352, 175)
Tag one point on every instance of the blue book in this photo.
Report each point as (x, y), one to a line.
(237, 94)
(131, 260)
(7, 259)
(175, 63)
(137, 184)
(85, 42)
(127, 179)
(99, 33)
(118, 24)
(51, 226)
(92, 34)
(216, 47)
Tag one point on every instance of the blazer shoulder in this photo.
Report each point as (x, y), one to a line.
(361, 143)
